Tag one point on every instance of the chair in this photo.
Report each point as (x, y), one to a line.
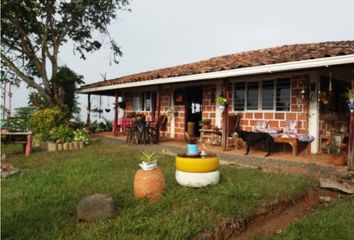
(154, 129)
(233, 125)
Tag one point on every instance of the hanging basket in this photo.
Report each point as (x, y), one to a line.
(107, 110)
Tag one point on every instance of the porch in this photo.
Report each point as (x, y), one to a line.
(282, 154)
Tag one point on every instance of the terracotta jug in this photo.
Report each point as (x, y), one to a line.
(149, 184)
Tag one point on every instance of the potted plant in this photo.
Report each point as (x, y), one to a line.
(80, 138)
(221, 102)
(206, 123)
(349, 95)
(149, 181)
(337, 157)
(148, 161)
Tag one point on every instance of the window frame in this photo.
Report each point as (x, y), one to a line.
(260, 94)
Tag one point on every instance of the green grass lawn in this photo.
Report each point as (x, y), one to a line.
(333, 221)
(41, 203)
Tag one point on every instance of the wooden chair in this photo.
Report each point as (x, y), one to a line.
(233, 126)
(155, 128)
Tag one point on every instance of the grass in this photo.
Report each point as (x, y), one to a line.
(41, 203)
(332, 221)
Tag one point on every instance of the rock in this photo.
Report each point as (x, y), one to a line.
(341, 185)
(97, 206)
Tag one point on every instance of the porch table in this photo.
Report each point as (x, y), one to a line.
(24, 138)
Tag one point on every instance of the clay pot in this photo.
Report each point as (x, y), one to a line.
(81, 145)
(75, 145)
(52, 147)
(60, 146)
(65, 146)
(338, 160)
(149, 184)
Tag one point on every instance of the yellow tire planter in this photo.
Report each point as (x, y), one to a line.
(197, 165)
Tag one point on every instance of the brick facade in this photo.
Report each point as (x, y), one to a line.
(298, 110)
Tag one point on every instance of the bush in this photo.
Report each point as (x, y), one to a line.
(62, 133)
(81, 136)
(42, 121)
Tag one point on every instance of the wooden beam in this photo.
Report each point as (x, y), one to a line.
(158, 101)
(225, 130)
(115, 118)
(88, 120)
(351, 132)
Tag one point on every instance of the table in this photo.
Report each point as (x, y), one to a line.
(124, 123)
(24, 138)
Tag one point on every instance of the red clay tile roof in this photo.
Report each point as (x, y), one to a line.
(286, 53)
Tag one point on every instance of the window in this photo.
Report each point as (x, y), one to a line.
(137, 103)
(147, 101)
(252, 96)
(268, 95)
(239, 96)
(283, 94)
(142, 102)
(263, 95)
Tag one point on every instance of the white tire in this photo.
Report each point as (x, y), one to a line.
(197, 179)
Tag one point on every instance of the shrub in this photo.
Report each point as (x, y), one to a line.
(80, 136)
(42, 121)
(62, 133)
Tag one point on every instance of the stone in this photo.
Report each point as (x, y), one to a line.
(96, 206)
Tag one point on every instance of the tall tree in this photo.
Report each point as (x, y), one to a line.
(34, 30)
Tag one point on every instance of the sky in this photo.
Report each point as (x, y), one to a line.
(165, 33)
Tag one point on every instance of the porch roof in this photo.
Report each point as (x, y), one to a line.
(284, 58)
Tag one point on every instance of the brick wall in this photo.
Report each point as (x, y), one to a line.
(248, 119)
(298, 110)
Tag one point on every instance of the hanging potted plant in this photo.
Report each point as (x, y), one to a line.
(149, 181)
(349, 95)
(221, 102)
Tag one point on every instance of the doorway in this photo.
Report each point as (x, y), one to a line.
(194, 108)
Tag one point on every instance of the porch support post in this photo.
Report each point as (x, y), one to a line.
(225, 126)
(115, 118)
(158, 100)
(351, 133)
(88, 120)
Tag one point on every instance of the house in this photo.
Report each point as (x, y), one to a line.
(303, 82)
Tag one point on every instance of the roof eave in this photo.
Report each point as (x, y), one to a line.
(271, 68)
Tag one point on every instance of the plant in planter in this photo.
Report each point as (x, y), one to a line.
(149, 181)
(338, 157)
(349, 95)
(221, 102)
(81, 137)
(148, 160)
(206, 123)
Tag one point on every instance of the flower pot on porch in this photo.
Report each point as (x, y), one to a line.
(149, 184)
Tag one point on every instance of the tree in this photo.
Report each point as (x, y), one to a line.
(34, 30)
(67, 82)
